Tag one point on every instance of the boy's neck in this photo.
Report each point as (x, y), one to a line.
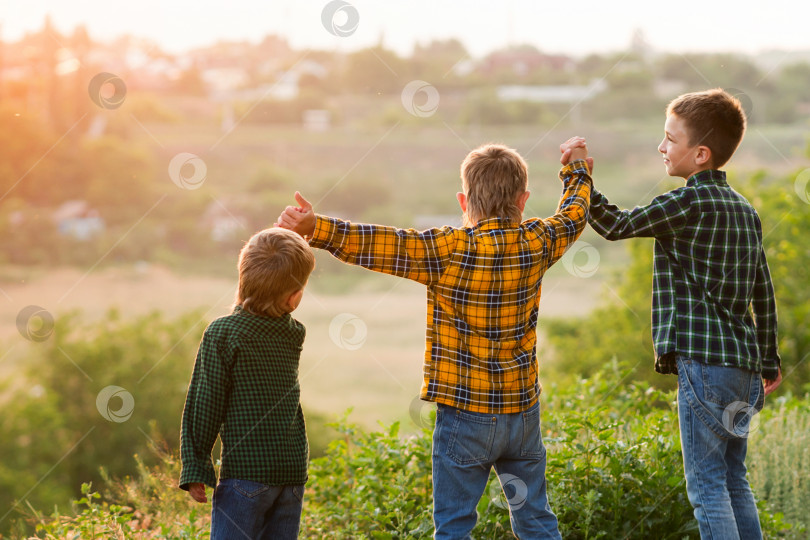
(686, 178)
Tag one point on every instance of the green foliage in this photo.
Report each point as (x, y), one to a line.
(620, 326)
(153, 509)
(614, 471)
(615, 466)
(94, 519)
(371, 484)
(779, 459)
(52, 416)
(55, 434)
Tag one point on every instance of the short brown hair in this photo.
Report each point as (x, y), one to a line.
(493, 177)
(713, 118)
(273, 264)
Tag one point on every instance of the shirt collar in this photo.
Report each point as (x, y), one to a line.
(495, 223)
(709, 176)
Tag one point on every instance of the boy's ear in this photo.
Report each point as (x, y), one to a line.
(522, 198)
(293, 300)
(703, 157)
(462, 201)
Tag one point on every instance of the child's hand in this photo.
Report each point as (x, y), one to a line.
(573, 149)
(300, 219)
(197, 492)
(771, 385)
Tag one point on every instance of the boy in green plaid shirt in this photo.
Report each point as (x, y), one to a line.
(244, 388)
(714, 314)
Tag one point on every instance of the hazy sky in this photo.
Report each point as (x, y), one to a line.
(569, 27)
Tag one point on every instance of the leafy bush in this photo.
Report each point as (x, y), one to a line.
(614, 471)
(55, 433)
(779, 459)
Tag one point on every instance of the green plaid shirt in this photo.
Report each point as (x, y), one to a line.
(244, 387)
(712, 298)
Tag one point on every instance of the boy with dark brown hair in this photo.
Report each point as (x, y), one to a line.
(714, 313)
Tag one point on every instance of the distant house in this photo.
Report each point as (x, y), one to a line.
(317, 120)
(224, 79)
(77, 220)
(522, 61)
(569, 93)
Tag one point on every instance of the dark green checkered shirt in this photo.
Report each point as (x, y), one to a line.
(712, 298)
(244, 387)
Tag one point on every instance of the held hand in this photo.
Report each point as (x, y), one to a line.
(300, 219)
(565, 159)
(573, 149)
(771, 385)
(197, 492)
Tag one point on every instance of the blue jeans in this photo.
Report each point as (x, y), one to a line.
(246, 510)
(466, 446)
(715, 408)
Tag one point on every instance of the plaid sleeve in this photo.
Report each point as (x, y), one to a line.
(566, 225)
(203, 414)
(764, 305)
(665, 216)
(418, 255)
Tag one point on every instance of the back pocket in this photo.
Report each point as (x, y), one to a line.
(250, 489)
(532, 444)
(471, 437)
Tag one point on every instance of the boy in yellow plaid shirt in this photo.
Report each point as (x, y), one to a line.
(483, 283)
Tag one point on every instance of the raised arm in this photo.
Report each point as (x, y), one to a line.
(566, 225)
(665, 216)
(417, 255)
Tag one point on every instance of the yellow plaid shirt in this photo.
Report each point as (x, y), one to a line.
(483, 286)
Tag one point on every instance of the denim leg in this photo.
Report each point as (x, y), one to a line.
(742, 498)
(522, 473)
(283, 519)
(241, 510)
(462, 444)
(714, 443)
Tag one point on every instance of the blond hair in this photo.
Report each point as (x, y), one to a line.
(713, 118)
(273, 264)
(493, 177)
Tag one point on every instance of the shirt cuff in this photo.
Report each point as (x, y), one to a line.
(578, 166)
(193, 473)
(770, 370)
(325, 228)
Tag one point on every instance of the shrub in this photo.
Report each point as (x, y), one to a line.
(614, 471)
